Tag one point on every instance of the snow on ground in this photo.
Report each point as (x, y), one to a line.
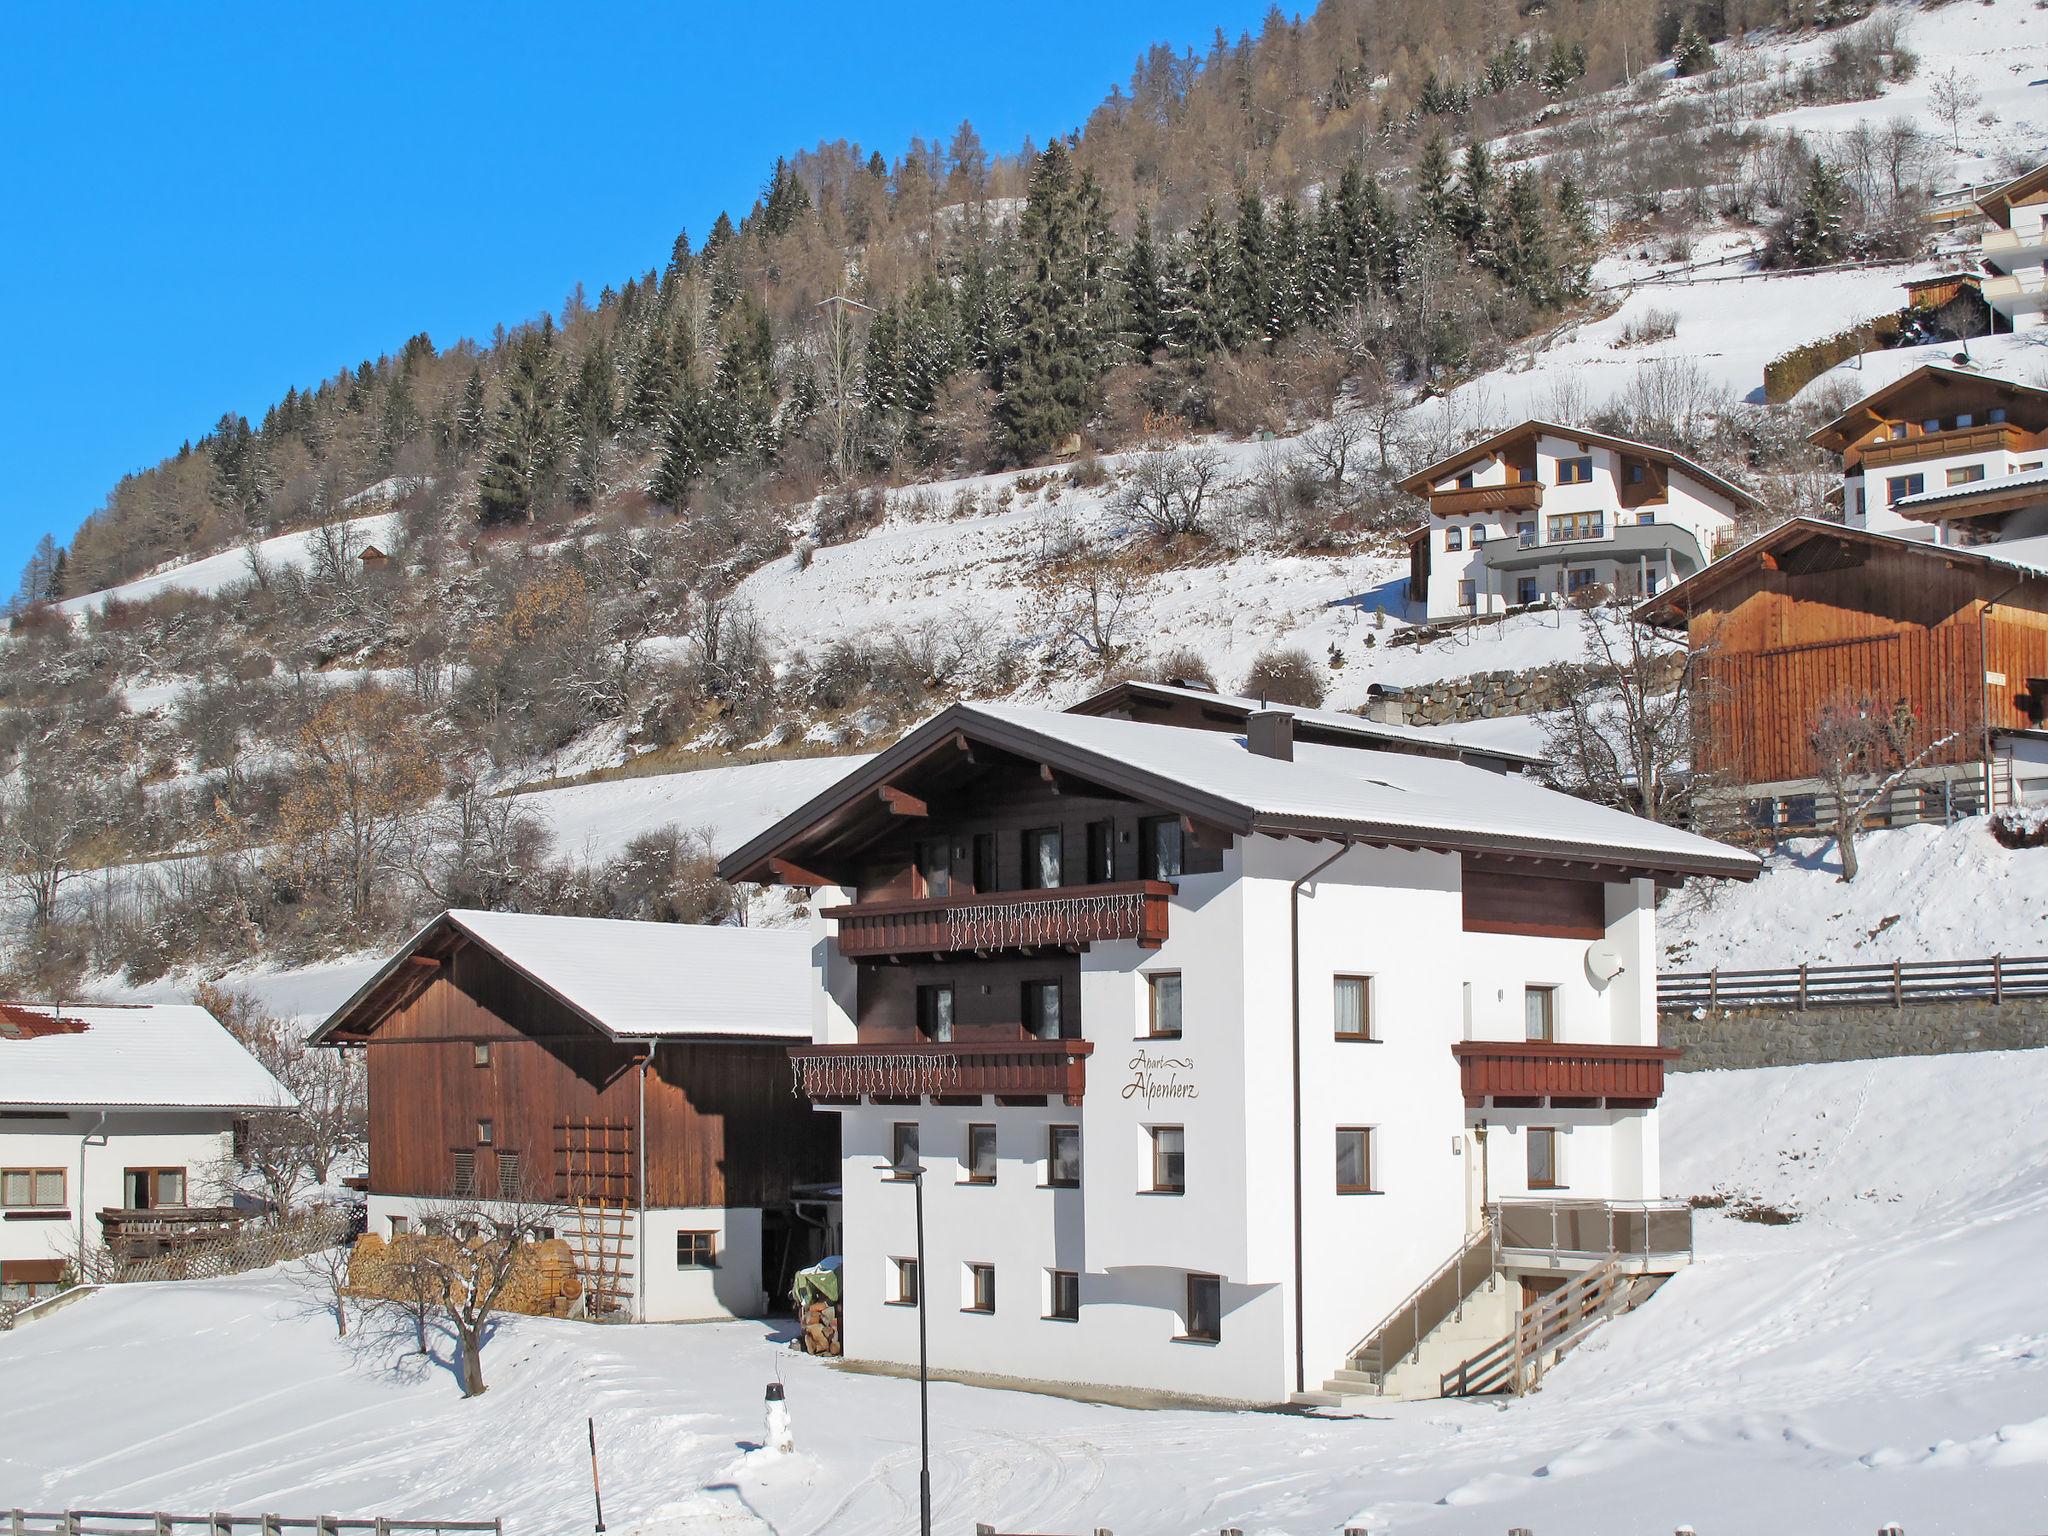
(211, 573)
(1924, 892)
(1883, 1359)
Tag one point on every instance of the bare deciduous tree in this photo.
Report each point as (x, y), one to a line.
(1334, 445)
(47, 821)
(1626, 736)
(1168, 493)
(472, 1249)
(1862, 753)
(1088, 593)
(1953, 96)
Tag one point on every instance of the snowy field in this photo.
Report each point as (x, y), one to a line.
(211, 573)
(1885, 1358)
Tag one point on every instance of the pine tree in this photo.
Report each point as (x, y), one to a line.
(1576, 239)
(685, 447)
(1144, 301)
(1198, 316)
(1251, 279)
(526, 436)
(1816, 228)
(1429, 202)
(592, 418)
(1472, 209)
(1520, 254)
(471, 417)
(1287, 311)
(1055, 354)
(742, 407)
(785, 200)
(1693, 54)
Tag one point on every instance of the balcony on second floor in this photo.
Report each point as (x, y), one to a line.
(1546, 1074)
(1526, 496)
(916, 1070)
(1984, 437)
(996, 922)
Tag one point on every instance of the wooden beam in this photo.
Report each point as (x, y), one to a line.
(796, 874)
(1767, 561)
(1051, 775)
(902, 804)
(425, 962)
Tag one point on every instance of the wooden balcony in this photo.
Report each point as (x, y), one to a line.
(1071, 917)
(1524, 497)
(903, 1070)
(1986, 437)
(1542, 1074)
(146, 1234)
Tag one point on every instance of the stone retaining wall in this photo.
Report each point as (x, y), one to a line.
(1784, 1037)
(1487, 695)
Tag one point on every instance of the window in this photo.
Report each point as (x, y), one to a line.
(1163, 1021)
(1165, 848)
(985, 877)
(1647, 515)
(1579, 580)
(1042, 1009)
(1478, 535)
(480, 1053)
(903, 1146)
(1539, 1013)
(1169, 1160)
(150, 1189)
(1101, 852)
(485, 1131)
(1573, 527)
(462, 1178)
(1204, 1323)
(696, 1250)
(935, 1011)
(1900, 486)
(1525, 535)
(1965, 419)
(400, 1225)
(1966, 474)
(30, 1279)
(32, 1188)
(1354, 1160)
(1042, 859)
(1351, 1001)
(1063, 1156)
(1062, 1295)
(1454, 538)
(906, 1282)
(1527, 590)
(981, 1154)
(934, 870)
(1996, 413)
(1467, 594)
(1465, 477)
(508, 1176)
(1577, 471)
(981, 1288)
(1637, 473)
(1543, 1158)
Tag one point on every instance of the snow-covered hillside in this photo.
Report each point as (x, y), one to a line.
(212, 573)
(1882, 1359)
(1923, 893)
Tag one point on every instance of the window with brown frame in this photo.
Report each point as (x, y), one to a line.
(903, 1146)
(1044, 869)
(906, 1283)
(1539, 1013)
(981, 1154)
(1355, 1160)
(480, 1053)
(33, 1189)
(981, 1288)
(696, 1250)
(1203, 1323)
(1162, 1020)
(1169, 1159)
(1101, 852)
(1351, 1006)
(935, 1011)
(986, 876)
(462, 1177)
(1166, 848)
(508, 1176)
(1062, 1296)
(400, 1225)
(1577, 471)
(934, 870)
(1063, 1156)
(485, 1131)
(1542, 1147)
(153, 1189)
(1042, 1010)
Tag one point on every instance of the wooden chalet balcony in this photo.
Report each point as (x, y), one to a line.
(918, 1070)
(144, 1234)
(1986, 437)
(1068, 917)
(1543, 1074)
(1524, 497)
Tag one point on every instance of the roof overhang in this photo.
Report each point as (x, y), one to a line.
(1996, 205)
(1419, 483)
(1838, 435)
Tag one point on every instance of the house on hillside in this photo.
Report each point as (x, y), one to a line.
(116, 1132)
(1812, 613)
(1542, 511)
(1946, 454)
(2016, 249)
(1214, 1047)
(1204, 709)
(634, 1075)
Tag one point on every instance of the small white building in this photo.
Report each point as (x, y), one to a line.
(1543, 511)
(1947, 454)
(109, 1113)
(1216, 1047)
(2016, 249)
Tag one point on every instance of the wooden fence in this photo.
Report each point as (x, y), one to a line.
(108, 1522)
(1884, 985)
(242, 1252)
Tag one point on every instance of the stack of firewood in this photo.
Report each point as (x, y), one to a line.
(819, 1326)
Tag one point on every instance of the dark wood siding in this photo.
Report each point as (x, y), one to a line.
(988, 996)
(724, 1128)
(1534, 904)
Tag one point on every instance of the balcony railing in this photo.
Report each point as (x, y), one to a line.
(891, 1070)
(1986, 437)
(1526, 496)
(1065, 918)
(1543, 1074)
(2014, 242)
(1651, 1233)
(144, 1234)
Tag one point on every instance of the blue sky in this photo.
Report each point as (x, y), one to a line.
(202, 205)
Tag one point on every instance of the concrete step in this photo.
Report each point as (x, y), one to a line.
(1316, 1399)
(1356, 1381)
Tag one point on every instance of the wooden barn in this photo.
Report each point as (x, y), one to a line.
(1812, 613)
(634, 1076)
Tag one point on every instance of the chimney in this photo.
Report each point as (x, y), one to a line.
(1270, 733)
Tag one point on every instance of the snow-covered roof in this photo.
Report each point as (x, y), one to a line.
(1322, 792)
(1976, 490)
(149, 1056)
(1418, 483)
(634, 980)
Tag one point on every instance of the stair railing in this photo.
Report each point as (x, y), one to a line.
(1440, 1296)
(1543, 1331)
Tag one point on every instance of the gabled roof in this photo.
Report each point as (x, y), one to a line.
(1390, 798)
(1870, 410)
(1997, 203)
(1669, 607)
(1330, 726)
(1418, 484)
(627, 980)
(147, 1056)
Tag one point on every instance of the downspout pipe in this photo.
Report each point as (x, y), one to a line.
(1294, 983)
(1984, 683)
(85, 1141)
(647, 1047)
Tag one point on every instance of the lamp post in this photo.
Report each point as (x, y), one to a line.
(914, 1172)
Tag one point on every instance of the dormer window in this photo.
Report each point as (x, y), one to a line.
(1465, 480)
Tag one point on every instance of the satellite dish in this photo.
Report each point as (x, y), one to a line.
(1603, 962)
